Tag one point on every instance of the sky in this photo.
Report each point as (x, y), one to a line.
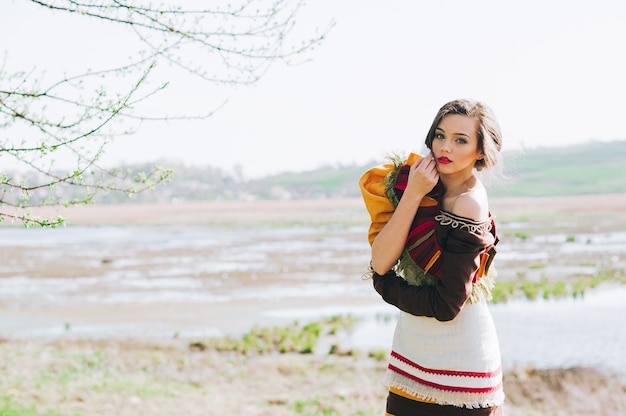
(552, 71)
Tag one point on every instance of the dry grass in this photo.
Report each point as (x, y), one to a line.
(138, 378)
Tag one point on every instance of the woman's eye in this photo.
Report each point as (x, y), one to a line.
(461, 141)
(439, 136)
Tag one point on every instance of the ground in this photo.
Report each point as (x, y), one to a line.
(134, 378)
(167, 377)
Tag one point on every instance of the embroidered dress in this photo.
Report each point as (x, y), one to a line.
(445, 349)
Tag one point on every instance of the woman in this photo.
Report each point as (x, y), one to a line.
(433, 239)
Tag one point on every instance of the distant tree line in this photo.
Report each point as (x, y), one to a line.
(572, 170)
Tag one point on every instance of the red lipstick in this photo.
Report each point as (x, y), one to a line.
(444, 160)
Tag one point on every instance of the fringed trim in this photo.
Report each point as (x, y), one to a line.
(392, 177)
(447, 218)
(412, 273)
(369, 274)
(481, 289)
(453, 398)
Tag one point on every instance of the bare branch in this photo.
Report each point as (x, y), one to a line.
(76, 115)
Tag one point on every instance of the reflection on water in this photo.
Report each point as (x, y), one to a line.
(566, 332)
(546, 334)
(279, 275)
(588, 331)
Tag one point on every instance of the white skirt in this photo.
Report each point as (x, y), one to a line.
(454, 363)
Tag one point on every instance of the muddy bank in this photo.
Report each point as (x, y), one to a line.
(564, 392)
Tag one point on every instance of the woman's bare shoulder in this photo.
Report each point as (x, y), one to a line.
(472, 204)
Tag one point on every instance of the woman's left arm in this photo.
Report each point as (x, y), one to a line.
(460, 259)
(445, 299)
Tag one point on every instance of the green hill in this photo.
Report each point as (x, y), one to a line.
(589, 168)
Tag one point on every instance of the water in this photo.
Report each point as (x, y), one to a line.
(201, 281)
(562, 333)
(587, 332)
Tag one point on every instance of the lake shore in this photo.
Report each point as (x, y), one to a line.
(280, 211)
(79, 374)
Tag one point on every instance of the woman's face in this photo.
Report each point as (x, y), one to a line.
(455, 144)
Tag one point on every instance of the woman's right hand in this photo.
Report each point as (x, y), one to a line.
(423, 177)
(389, 243)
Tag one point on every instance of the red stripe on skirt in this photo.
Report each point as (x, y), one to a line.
(443, 386)
(447, 372)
